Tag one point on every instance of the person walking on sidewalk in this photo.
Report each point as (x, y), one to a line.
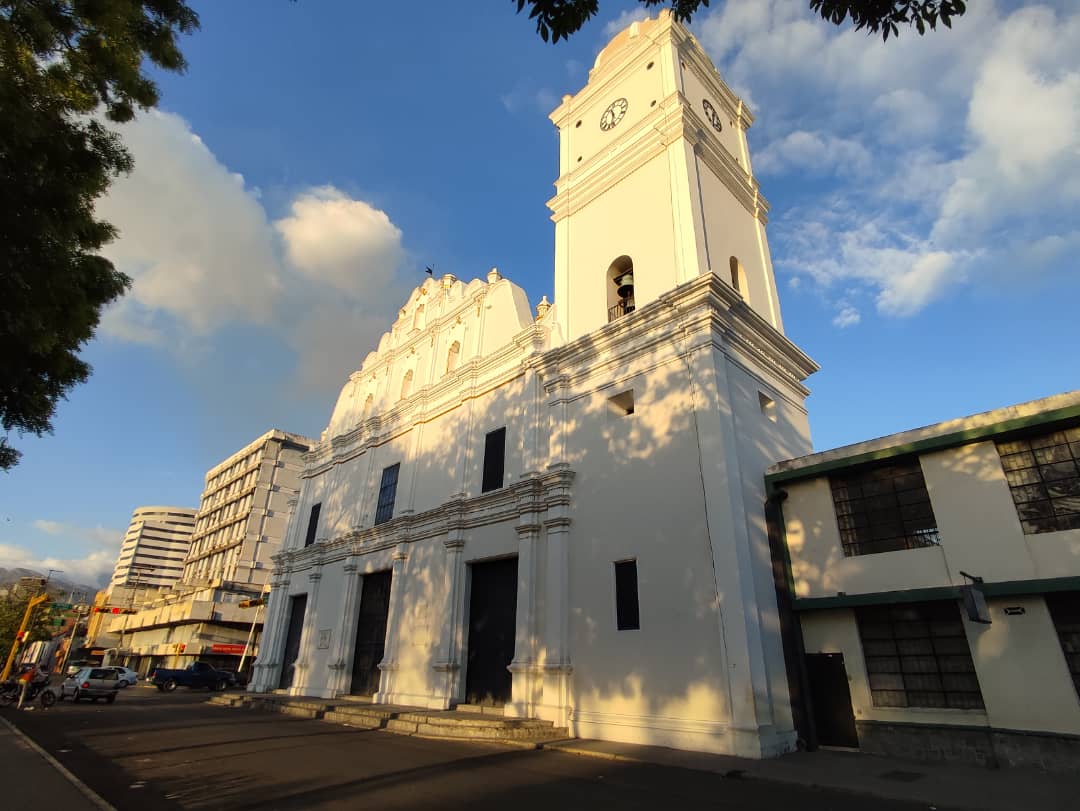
(26, 681)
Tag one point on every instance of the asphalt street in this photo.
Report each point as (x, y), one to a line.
(173, 751)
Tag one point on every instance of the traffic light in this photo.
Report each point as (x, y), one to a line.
(252, 603)
(20, 636)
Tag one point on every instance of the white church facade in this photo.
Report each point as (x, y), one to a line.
(560, 511)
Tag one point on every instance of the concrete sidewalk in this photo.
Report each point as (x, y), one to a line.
(33, 779)
(935, 784)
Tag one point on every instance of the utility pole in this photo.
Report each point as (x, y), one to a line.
(22, 633)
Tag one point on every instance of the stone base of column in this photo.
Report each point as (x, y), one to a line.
(527, 690)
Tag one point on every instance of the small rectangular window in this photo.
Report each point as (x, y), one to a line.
(768, 406)
(622, 405)
(626, 596)
(387, 493)
(313, 524)
(494, 460)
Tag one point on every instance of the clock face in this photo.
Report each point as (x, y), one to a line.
(613, 114)
(712, 115)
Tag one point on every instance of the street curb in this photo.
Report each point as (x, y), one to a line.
(95, 798)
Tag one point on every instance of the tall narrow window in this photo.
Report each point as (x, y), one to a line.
(452, 356)
(494, 460)
(406, 384)
(313, 524)
(1065, 612)
(626, 596)
(387, 493)
(620, 288)
(738, 278)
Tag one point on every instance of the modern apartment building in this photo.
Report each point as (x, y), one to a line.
(244, 511)
(241, 521)
(155, 546)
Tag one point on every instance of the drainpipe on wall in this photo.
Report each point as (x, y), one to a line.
(790, 627)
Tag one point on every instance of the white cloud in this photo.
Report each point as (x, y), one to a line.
(847, 317)
(332, 238)
(99, 534)
(94, 569)
(812, 153)
(631, 15)
(958, 152)
(193, 236)
(325, 279)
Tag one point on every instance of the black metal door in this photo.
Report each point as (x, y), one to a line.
(831, 698)
(370, 633)
(492, 616)
(297, 608)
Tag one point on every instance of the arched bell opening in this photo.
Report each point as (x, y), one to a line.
(620, 288)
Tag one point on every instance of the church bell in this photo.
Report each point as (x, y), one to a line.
(625, 284)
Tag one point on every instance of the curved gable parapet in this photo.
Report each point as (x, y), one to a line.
(443, 325)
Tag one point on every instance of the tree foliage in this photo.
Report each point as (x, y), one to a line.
(65, 65)
(558, 19)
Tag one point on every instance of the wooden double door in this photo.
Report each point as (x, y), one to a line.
(371, 633)
(492, 625)
(297, 609)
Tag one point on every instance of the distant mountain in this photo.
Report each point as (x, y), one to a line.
(58, 584)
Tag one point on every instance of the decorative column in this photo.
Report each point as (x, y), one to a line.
(448, 665)
(556, 665)
(307, 635)
(526, 685)
(388, 666)
(267, 668)
(340, 678)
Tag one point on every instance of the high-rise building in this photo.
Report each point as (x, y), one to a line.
(155, 546)
(241, 522)
(243, 513)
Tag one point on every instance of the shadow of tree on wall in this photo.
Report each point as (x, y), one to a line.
(638, 493)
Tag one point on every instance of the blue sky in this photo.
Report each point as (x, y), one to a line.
(317, 155)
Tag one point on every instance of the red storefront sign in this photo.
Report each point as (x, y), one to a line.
(236, 650)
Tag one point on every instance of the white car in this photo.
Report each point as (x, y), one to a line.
(125, 676)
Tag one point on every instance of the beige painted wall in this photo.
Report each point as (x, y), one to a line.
(1022, 673)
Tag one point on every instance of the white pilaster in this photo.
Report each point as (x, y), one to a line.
(341, 667)
(307, 636)
(388, 666)
(526, 684)
(267, 668)
(448, 666)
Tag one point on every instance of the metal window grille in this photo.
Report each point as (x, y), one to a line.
(627, 617)
(1065, 612)
(313, 524)
(494, 460)
(1044, 477)
(387, 493)
(884, 509)
(917, 655)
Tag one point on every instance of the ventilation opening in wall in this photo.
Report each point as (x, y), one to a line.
(622, 405)
(768, 406)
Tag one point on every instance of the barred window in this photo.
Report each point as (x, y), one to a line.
(1065, 612)
(1044, 476)
(883, 509)
(917, 655)
(387, 494)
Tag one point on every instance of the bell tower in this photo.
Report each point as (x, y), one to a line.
(655, 186)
